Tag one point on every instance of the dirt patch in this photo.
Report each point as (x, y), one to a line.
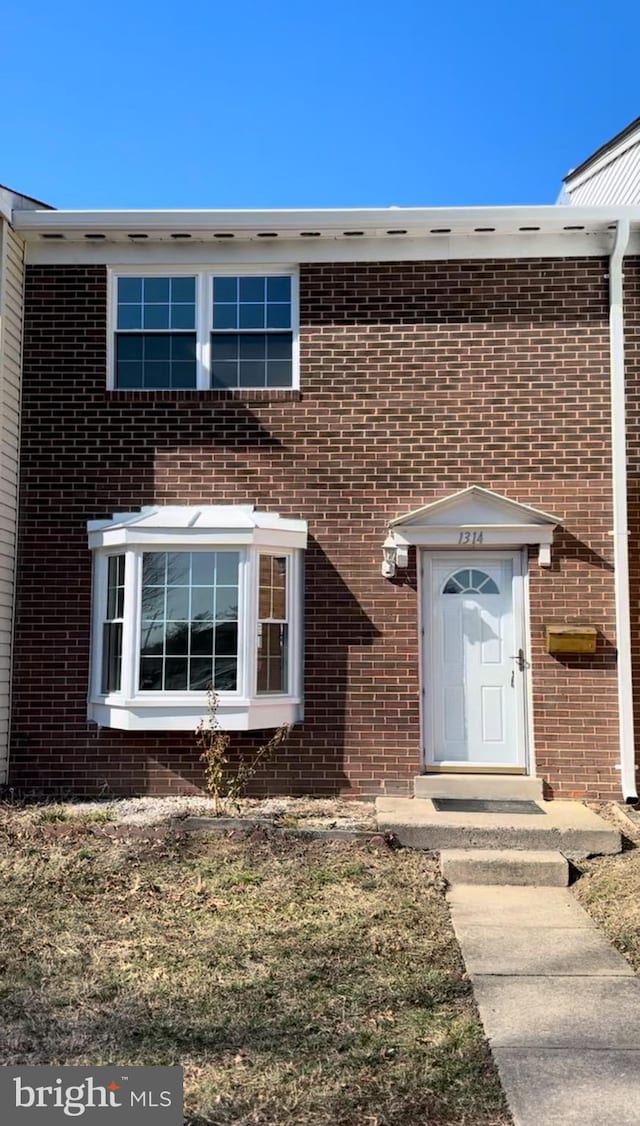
(609, 886)
(311, 813)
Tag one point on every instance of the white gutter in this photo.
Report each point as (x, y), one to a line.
(620, 525)
(546, 217)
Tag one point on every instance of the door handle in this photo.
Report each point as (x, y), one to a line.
(520, 658)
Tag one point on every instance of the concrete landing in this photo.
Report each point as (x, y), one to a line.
(560, 1006)
(567, 826)
(536, 867)
(519, 787)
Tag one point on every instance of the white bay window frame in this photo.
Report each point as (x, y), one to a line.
(204, 315)
(191, 529)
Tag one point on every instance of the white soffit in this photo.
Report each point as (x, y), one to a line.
(327, 235)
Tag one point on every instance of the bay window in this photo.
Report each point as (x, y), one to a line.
(192, 598)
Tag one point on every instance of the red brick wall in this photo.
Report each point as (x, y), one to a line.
(417, 379)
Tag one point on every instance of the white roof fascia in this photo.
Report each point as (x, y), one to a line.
(494, 535)
(338, 223)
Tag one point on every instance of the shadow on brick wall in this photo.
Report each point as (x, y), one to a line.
(567, 546)
(312, 759)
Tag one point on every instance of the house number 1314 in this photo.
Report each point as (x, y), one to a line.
(470, 537)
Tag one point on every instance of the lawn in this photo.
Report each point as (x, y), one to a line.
(297, 982)
(609, 888)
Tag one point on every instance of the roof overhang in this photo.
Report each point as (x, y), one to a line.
(351, 225)
(182, 526)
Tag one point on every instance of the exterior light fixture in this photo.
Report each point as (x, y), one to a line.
(402, 556)
(395, 555)
(389, 551)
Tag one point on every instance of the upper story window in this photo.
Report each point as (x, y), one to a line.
(252, 338)
(156, 333)
(204, 330)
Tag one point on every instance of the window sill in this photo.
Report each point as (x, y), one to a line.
(243, 395)
(182, 714)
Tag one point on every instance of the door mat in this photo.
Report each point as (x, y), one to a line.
(473, 805)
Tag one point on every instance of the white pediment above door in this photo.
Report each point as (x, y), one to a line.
(476, 518)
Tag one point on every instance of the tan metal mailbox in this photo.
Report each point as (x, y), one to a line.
(571, 639)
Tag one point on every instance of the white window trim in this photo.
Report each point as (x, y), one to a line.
(293, 619)
(204, 317)
(241, 710)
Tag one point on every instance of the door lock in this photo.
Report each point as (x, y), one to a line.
(520, 658)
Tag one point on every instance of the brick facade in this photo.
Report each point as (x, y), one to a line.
(418, 379)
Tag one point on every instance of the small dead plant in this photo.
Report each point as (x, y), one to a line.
(226, 780)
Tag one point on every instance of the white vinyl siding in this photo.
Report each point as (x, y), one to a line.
(11, 305)
(616, 183)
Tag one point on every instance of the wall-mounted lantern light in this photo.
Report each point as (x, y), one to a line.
(395, 555)
(389, 551)
(402, 556)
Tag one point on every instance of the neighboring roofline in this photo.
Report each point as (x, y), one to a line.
(347, 223)
(27, 198)
(608, 146)
(13, 203)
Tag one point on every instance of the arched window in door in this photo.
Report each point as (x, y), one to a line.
(470, 581)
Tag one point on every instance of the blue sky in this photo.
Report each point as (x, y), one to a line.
(282, 103)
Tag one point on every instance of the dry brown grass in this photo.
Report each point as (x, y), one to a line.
(609, 888)
(298, 983)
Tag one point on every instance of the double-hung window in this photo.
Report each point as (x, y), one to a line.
(155, 343)
(252, 337)
(204, 329)
(192, 599)
(273, 626)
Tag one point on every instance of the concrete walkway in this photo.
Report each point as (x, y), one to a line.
(560, 1007)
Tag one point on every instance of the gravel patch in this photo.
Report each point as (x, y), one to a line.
(312, 813)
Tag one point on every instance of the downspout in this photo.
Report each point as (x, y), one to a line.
(620, 524)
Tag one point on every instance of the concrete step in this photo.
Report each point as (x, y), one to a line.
(567, 826)
(535, 867)
(504, 787)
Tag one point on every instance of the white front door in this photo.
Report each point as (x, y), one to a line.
(474, 674)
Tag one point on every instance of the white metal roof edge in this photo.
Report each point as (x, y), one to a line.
(338, 222)
(198, 518)
(601, 159)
